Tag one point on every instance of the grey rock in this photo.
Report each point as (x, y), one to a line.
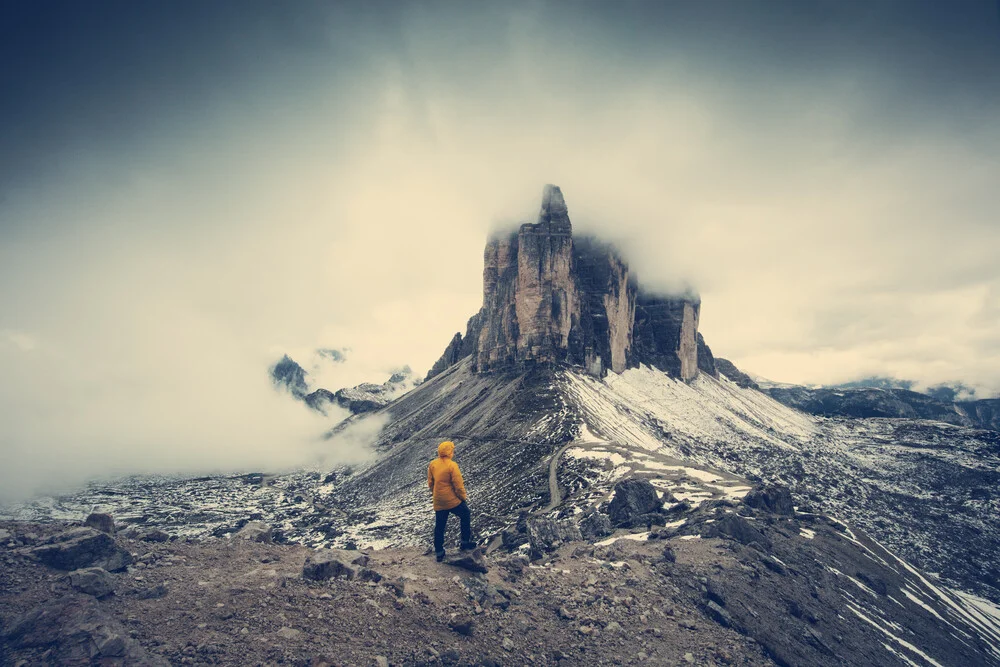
(153, 592)
(102, 522)
(772, 498)
(79, 548)
(595, 526)
(547, 535)
(474, 561)
(735, 527)
(550, 297)
(94, 581)
(368, 574)
(397, 586)
(256, 531)
(462, 624)
(718, 614)
(634, 499)
(322, 565)
(156, 535)
(730, 370)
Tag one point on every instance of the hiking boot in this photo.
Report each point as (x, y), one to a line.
(440, 556)
(468, 546)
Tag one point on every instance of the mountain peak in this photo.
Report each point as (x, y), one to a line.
(551, 298)
(553, 206)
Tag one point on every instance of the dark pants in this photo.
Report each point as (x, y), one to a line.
(441, 520)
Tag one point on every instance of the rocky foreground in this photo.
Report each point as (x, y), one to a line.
(737, 584)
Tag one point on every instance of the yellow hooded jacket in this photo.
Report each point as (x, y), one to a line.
(445, 479)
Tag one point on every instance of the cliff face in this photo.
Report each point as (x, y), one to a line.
(551, 298)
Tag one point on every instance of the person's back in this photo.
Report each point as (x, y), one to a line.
(448, 495)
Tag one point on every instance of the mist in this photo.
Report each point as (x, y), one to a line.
(329, 181)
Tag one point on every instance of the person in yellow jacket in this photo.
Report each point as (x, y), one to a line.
(448, 493)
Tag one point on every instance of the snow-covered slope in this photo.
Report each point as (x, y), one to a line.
(927, 489)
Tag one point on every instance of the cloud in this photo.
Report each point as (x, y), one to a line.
(18, 339)
(834, 207)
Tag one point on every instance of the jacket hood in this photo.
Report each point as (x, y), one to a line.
(446, 449)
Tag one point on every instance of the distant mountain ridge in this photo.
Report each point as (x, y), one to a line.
(882, 397)
(288, 375)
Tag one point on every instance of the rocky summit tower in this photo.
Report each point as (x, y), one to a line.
(550, 298)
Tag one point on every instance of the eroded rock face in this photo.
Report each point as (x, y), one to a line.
(550, 297)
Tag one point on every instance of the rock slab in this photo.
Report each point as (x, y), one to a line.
(80, 548)
(94, 581)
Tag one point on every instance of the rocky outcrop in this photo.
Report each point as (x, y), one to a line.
(368, 396)
(450, 357)
(550, 297)
(730, 370)
(288, 375)
(666, 334)
(547, 535)
(102, 522)
(706, 360)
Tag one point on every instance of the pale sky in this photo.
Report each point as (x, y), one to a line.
(189, 190)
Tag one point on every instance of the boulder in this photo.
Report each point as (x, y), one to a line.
(547, 535)
(325, 564)
(153, 592)
(473, 561)
(83, 547)
(156, 535)
(256, 531)
(634, 500)
(92, 581)
(102, 522)
(462, 624)
(368, 574)
(771, 498)
(595, 526)
(735, 527)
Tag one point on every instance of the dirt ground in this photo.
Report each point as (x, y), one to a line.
(238, 602)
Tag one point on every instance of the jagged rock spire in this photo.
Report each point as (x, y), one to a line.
(551, 298)
(554, 213)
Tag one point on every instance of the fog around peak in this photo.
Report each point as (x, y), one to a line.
(173, 220)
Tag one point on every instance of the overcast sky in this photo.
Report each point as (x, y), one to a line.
(190, 189)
